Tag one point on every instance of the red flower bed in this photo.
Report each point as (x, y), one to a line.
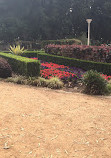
(48, 73)
(53, 65)
(49, 70)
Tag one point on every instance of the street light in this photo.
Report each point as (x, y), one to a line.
(89, 22)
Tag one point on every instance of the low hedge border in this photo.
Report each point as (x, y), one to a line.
(32, 54)
(60, 42)
(22, 65)
(86, 65)
(28, 54)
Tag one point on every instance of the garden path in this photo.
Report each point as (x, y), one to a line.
(44, 123)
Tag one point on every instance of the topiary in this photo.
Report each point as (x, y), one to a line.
(5, 69)
(94, 83)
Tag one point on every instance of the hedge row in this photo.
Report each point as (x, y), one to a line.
(28, 54)
(86, 65)
(60, 42)
(93, 53)
(23, 62)
(22, 65)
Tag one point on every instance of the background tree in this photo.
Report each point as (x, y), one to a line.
(53, 19)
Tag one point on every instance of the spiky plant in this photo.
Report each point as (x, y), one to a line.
(17, 50)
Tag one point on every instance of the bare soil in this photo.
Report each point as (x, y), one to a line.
(44, 123)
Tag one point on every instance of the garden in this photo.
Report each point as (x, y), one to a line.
(38, 68)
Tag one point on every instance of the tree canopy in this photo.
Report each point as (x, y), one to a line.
(54, 19)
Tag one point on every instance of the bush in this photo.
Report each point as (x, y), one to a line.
(16, 79)
(31, 54)
(21, 65)
(94, 83)
(92, 53)
(55, 83)
(17, 50)
(61, 42)
(5, 69)
(109, 86)
(104, 68)
(40, 82)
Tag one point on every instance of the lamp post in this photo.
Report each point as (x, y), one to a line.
(89, 22)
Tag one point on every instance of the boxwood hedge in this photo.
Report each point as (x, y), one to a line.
(22, 65)
(86, 65)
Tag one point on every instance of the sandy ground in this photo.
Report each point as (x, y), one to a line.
(44, 123)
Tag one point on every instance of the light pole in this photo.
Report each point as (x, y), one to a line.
(89, 22)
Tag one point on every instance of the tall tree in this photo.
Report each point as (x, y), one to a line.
(54, 19)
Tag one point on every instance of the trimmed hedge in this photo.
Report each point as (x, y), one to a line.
(22, 65)
(83, 52)
(60, 42)
(28, 54)
(86, 65)
(32, 54)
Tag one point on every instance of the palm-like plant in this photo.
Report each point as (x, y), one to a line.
(17, 50)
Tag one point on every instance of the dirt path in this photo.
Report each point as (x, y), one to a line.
(43, 123)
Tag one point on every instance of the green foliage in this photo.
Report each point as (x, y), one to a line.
(21, 65)
(84, 52)
(31, 54)
(40, 82)
(109, 86)
(83, 38)
(55, 83)
(94, 83)
(105, 68)
(28, 21)
(5, 69)
(16, 79)
(61, 42)
(17, 50)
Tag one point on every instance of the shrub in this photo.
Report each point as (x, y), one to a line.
(55, 83)
(5, 69)
(105, 68)
(94, 83)
(40, 82)
(16, 79)
(61, 42)
(93, 53)
(109, 86)
(21, 65)
(17, 50)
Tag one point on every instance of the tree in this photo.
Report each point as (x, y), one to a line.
(53, 19)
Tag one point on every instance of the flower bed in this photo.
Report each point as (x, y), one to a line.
(65, 73)
(49, 70)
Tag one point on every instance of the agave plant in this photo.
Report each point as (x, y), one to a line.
(17, 50)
